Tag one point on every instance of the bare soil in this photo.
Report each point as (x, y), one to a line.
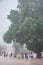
(12, 61)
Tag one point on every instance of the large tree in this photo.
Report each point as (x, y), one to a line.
(31, 33)
(27, 25)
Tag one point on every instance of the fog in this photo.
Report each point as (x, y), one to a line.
(5, 7)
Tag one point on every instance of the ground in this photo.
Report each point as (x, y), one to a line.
(12, 61)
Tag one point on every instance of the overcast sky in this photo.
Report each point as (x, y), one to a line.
(5, 7)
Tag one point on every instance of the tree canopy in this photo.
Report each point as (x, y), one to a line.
(27, 24)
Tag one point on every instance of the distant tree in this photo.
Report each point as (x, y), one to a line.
(1, 48)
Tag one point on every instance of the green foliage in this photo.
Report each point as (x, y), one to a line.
(14, 16)
(30, 30)
(27, 24)
(26, 27)
(10, 34)
(7, 37)
(37, 44)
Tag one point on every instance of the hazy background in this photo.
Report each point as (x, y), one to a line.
(5, 7)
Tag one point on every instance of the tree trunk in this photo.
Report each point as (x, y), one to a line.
(39, 55)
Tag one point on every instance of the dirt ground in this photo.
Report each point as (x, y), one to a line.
(12, 61)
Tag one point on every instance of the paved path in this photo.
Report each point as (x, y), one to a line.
(12, 61)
